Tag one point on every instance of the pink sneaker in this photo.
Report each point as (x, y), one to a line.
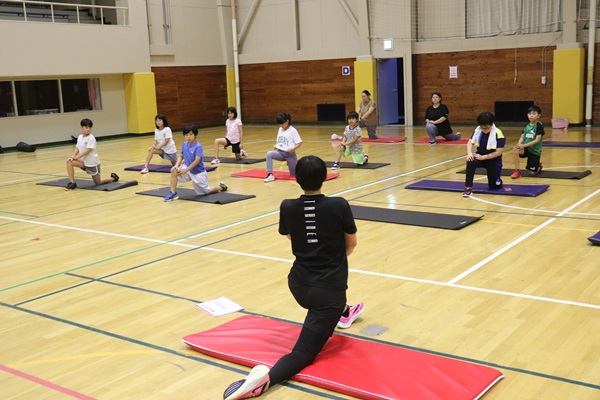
(255, 384)
(355, 312)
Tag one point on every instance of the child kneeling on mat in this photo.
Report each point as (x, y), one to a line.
(489, 142)
(318, 278)
(163, 144)
(233, 137)
(86, 158)
(189, 167)
(530, 144)
(351, 143)
(288, 141)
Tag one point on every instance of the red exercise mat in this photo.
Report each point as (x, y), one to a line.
(279, 175)
(443, 141)
(355, 367)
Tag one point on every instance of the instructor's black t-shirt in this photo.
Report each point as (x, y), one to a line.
(317, 225)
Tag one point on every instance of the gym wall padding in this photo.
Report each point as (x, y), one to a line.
(231, 100)
(568, 84)
(140, 101)
(365, 78)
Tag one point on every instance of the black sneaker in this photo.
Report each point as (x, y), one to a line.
(71, 186)
(365, 158)
(223, 186)
(115, 177)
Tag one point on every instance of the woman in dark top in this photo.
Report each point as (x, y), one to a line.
(436, 120)
(323, 234)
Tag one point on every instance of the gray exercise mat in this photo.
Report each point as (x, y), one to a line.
(416, 218)
(543, 174)
(89, 184)
(190, 194)
(369, 165)
(232, 160)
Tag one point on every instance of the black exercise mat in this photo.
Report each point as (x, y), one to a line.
(190, 194)
(573, 144)
(369, 165)
(416, 218)
(543, 174)
(89, 184)
(232, 160)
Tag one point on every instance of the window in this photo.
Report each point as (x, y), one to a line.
(510, 17)
(7, 108)
(37, 97)
(42, 97)
(80, 94)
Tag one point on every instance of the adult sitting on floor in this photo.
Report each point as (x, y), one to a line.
(436, 120)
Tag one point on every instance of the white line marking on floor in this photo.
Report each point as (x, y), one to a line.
(518, 240)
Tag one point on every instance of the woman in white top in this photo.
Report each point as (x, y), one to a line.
(233, 137)
(288, 140)
(164, 145)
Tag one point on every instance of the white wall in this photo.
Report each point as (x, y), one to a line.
(35, 129)
(325, 31)
(44, 48)
(195, 33)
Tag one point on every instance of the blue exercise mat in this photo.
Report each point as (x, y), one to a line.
(453, 186)
(572, 144)
(595, 239)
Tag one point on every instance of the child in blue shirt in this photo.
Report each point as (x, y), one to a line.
(189, 167)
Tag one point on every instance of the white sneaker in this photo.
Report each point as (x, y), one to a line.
(269, 178)
(215, 161)
(144, 170)
(243, 153)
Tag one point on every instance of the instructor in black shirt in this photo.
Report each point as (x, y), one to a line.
(323, 234)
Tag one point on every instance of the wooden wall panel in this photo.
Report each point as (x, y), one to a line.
(483, 78)
(191, 95)
(294, 87)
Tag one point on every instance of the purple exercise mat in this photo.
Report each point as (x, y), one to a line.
(162, 168)
(595, 239)
(453, 186)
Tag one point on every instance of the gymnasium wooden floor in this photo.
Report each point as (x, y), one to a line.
(98, 288)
